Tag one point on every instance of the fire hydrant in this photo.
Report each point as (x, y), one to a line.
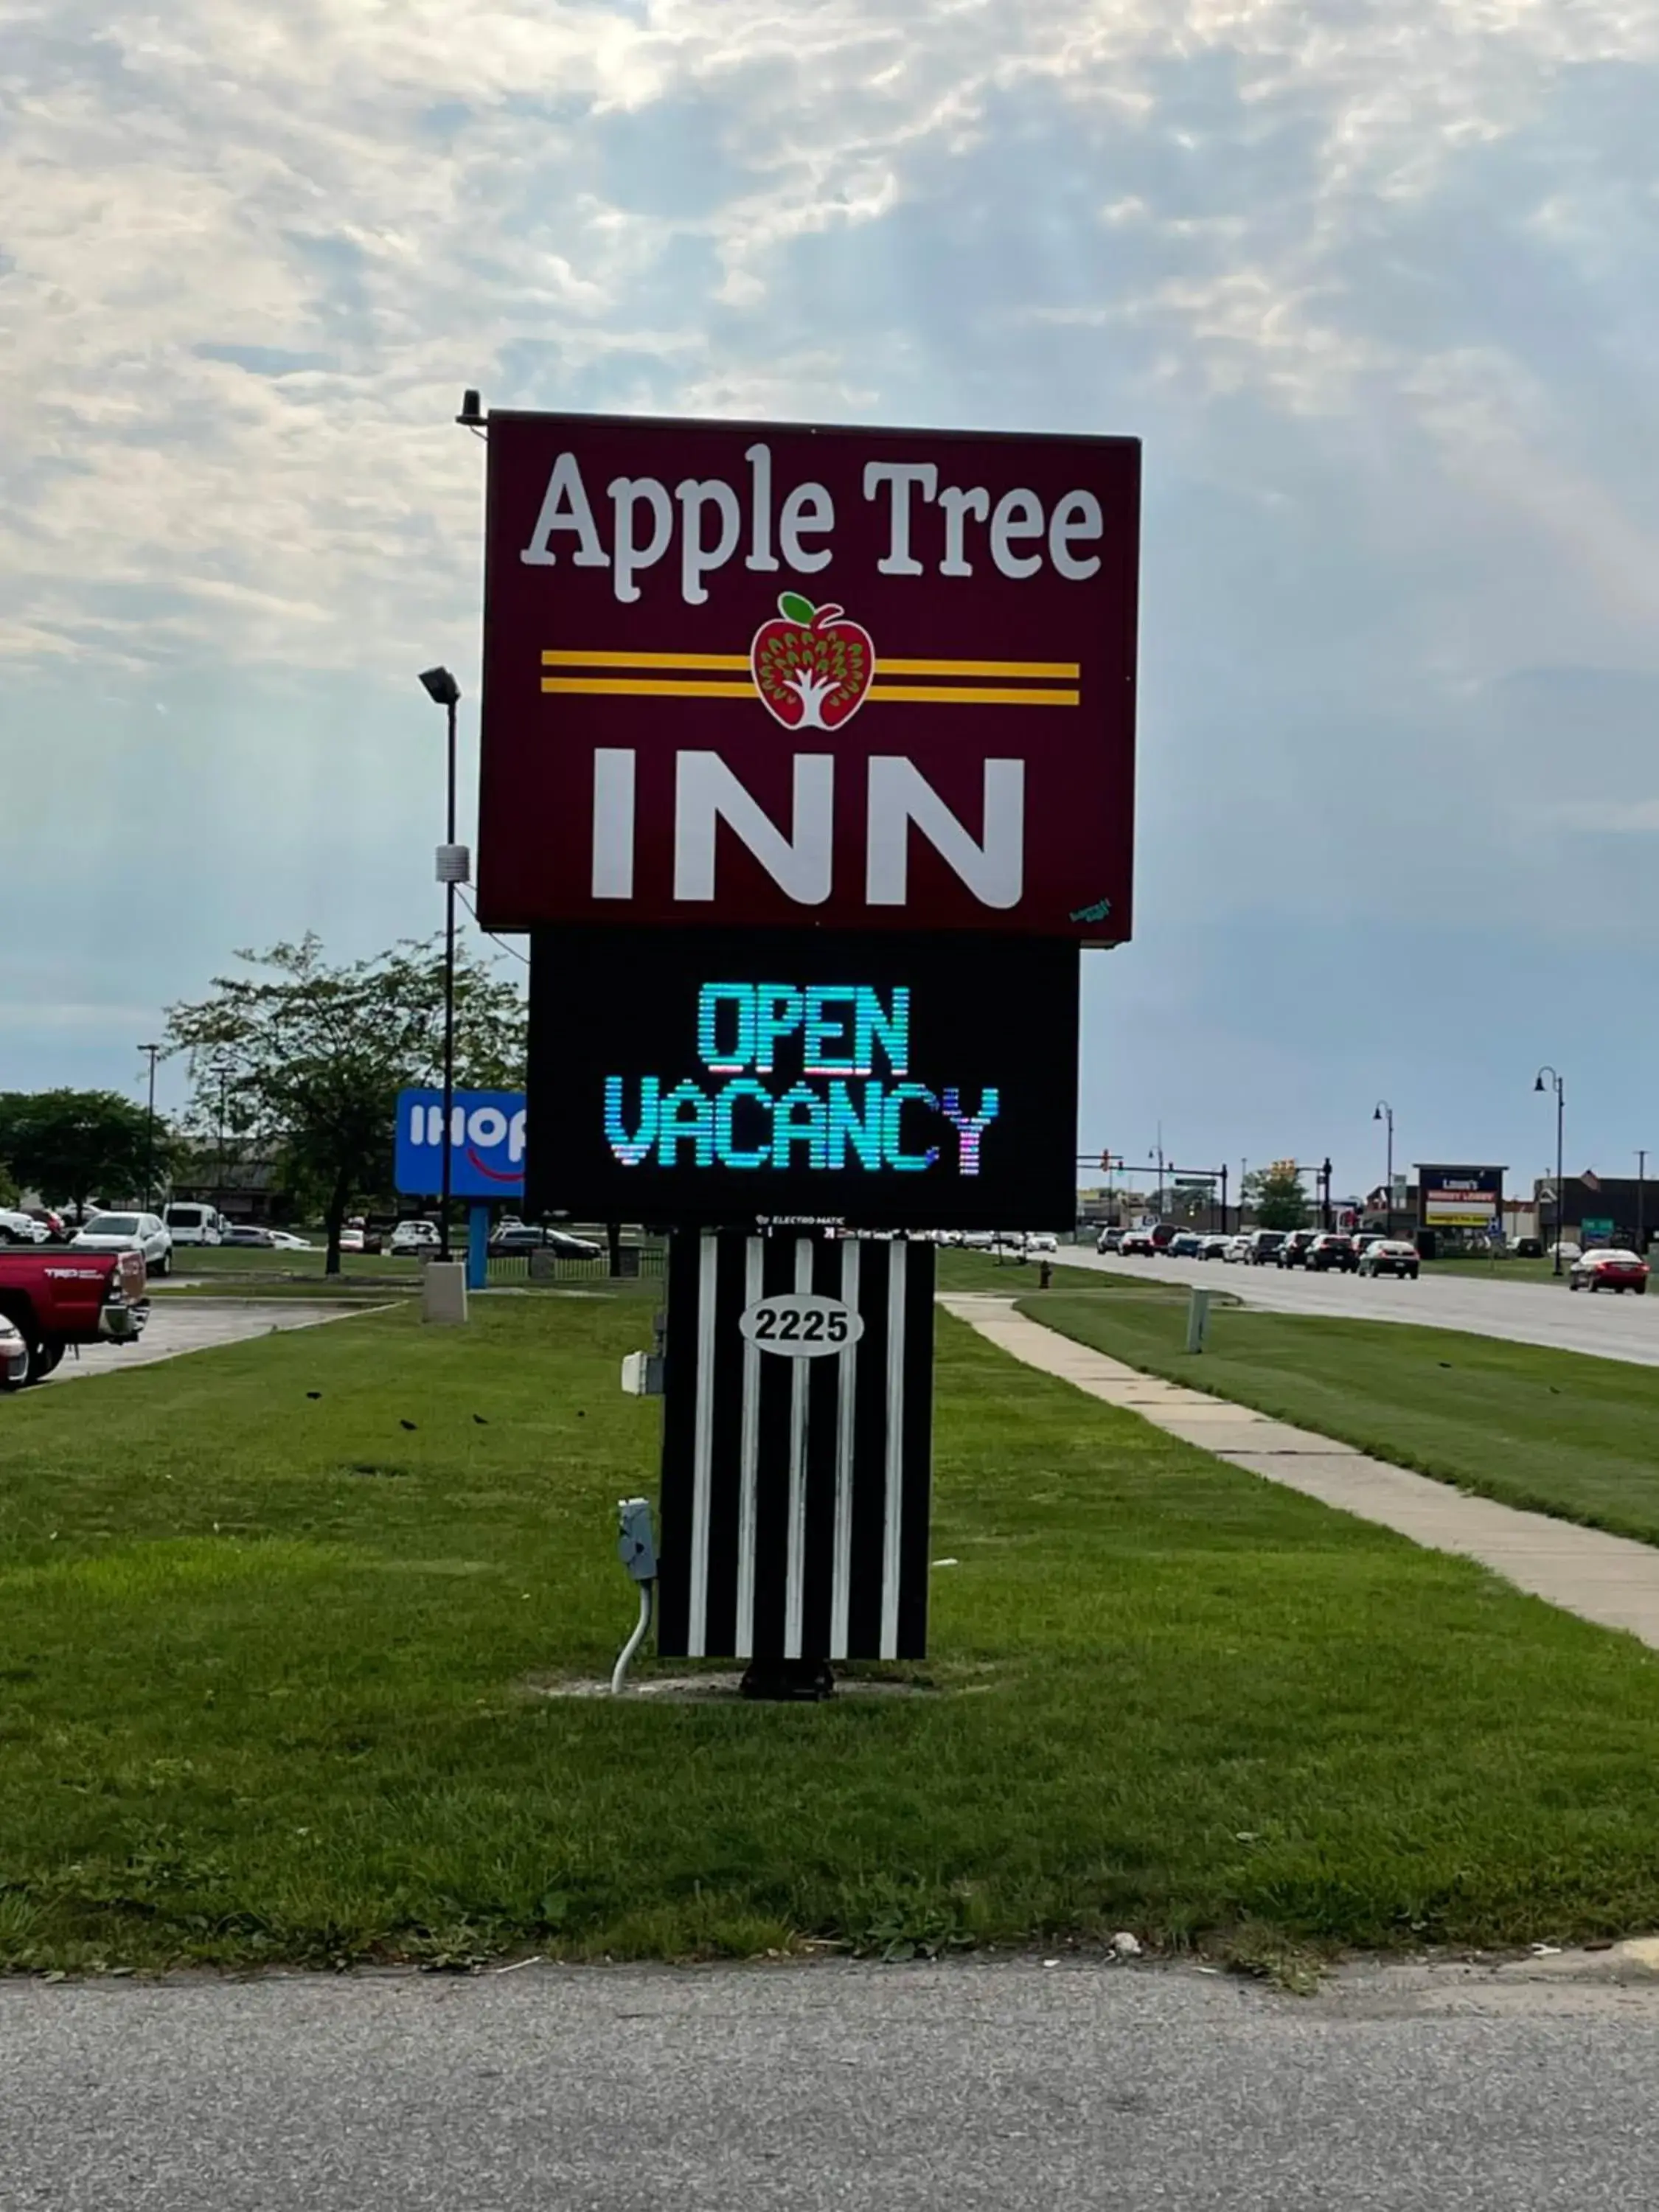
(1045, 1276)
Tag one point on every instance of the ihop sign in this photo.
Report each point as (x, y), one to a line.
(486, 1144)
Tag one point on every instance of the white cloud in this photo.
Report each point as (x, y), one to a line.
(251, 259)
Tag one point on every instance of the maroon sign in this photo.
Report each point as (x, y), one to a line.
(759, 674)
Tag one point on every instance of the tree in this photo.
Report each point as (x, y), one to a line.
(309, 1057)
(1277, 1195)
(72, 1144)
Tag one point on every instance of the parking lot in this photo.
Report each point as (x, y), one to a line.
(178, 1325)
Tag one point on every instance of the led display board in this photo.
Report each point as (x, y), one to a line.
(774, 675)
(725, 1076)
(1460, 1197)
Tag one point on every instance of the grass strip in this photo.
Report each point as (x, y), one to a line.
(1556, 1432)
(271, 1620)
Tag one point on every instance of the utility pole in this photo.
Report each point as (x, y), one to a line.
(154, 1052)
(1641, 1199)
(453, 868)
(1560, 1090)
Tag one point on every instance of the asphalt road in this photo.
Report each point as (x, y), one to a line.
(177, 1325)
(1609, 1326)
(979, 2087)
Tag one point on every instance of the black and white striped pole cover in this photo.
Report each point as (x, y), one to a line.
(797, 1446)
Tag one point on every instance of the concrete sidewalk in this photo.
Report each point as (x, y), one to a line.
(1606, 1579)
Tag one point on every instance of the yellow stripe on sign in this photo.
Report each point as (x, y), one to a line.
(645, 687)
(1066, 668)
(564, 658)
(969, 694)
(915, 695)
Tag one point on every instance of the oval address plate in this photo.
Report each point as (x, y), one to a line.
(800, 1325)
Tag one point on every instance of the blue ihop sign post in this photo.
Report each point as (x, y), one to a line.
(486, 1157)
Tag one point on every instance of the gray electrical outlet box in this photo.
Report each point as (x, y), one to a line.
(636, 1542)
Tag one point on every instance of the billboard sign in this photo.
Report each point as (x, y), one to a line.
(767, 675)
(724, 1078)
(486, 1157)
(1460, 1197)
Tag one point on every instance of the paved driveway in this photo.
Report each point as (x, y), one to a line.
(1525, 1313)
(179, 1325)
(978, 2087)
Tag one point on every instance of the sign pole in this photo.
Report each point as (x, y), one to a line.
(477, 1247)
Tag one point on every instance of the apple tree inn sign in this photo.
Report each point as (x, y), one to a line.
(765, 675)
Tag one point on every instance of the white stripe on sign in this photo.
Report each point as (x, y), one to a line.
(748, 1457)
(795, 1586)
(895, 1455)
(841, 1570)
(702, 1447)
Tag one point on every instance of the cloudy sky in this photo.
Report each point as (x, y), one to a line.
(1373, 283)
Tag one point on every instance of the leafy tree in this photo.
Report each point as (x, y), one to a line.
(72, 1144)
(1277, 1195)
(309, 1057)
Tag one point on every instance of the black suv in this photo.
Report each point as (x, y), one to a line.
(1331, 1249)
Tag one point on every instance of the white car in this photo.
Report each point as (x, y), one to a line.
(128, 1232)
(415, 1236)
(1041, 1241)
(21, 1228)
(286, 1241)
(14, 1356)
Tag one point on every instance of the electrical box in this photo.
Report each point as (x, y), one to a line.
(642, 1375)
(636, 1542)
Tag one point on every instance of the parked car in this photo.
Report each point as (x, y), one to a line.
(1214, 1247)
(1137, 1243)
(286, 1241)
(1330, 1250)
(249, 1236)
(1390, 1255)
(20, 1228)
(563, 1246)
(1293, 1252)
(1109, 1240)
(1185, 1244)
(1264, 1247)
(54, 1299)
(1608, 1269)
(415, 1236)
(189, 1223)
(14, 1356)
(144, 1233)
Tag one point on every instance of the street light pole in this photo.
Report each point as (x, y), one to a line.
(1560, 1179)
(453, 869)
(154, 1052)
(1384, 1112)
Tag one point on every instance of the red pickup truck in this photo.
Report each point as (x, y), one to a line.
(59, 1298)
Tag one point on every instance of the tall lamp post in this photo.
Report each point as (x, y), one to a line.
(452, 868)
(154, 1052)
(1559, 1088)
(1384, 1112)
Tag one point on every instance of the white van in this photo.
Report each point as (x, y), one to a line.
(194, 1225)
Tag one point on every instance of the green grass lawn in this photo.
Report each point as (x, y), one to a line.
(270, 1616)
(1557, 1432)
